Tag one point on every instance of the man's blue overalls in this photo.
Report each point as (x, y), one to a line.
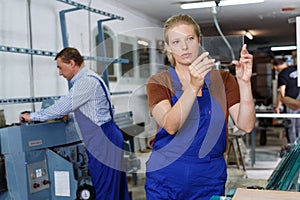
(105, 152)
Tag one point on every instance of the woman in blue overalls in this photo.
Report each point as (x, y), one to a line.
(191, 104)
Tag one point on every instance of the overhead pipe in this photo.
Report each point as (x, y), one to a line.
(214, 12)
(31, 73)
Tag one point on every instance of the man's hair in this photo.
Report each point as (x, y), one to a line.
(68, 54)
(278, 61)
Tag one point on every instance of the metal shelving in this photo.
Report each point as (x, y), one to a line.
(38, 52)
(26, 100)
(110, 16)
(53, 54)
(81, 6)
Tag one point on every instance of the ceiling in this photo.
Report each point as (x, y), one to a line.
(267, 21)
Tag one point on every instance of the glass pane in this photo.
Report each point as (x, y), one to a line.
(109, 54)
(127, 53)
(219, 50)
(144, 60)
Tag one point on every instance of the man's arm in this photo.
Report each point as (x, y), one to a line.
(280, 94)
(291, 103)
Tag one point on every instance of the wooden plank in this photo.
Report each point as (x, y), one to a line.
(250, 194)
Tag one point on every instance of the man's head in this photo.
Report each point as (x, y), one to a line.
(69, 62)
(279, 64)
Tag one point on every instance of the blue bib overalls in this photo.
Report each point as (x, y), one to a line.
(104, 147)
(190, 164)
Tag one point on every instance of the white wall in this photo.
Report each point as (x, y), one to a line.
(15, 78)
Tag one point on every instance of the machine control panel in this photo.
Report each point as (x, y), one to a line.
(38, 178)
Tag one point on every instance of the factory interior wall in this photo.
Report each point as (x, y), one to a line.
(24, 75)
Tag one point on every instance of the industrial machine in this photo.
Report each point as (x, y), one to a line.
(43, 161)
(46, 161)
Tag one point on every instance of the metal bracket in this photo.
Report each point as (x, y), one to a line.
(53, 54)
(26, 100)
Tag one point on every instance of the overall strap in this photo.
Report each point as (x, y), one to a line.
(106, 95)
(175, 82)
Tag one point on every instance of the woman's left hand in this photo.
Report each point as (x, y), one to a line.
(243, 67)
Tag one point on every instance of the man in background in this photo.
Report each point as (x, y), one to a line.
(90, 100)
(287, 87)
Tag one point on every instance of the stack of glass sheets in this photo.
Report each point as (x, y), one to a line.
(286, 174)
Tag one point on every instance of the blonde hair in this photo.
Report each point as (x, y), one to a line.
(176, 20)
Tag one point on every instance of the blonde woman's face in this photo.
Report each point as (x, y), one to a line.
(183, 44)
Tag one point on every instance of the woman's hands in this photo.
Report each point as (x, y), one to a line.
(243, 67)
(198, 70)
(243, 113)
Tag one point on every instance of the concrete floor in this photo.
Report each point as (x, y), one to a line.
(267, 158)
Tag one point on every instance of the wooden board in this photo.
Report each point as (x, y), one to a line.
(250, 194)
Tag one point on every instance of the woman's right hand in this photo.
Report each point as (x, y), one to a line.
(198, 70)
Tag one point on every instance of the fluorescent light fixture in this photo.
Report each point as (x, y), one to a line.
(283, 48)
(248, 35)
(209, 4)
(143, 42)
